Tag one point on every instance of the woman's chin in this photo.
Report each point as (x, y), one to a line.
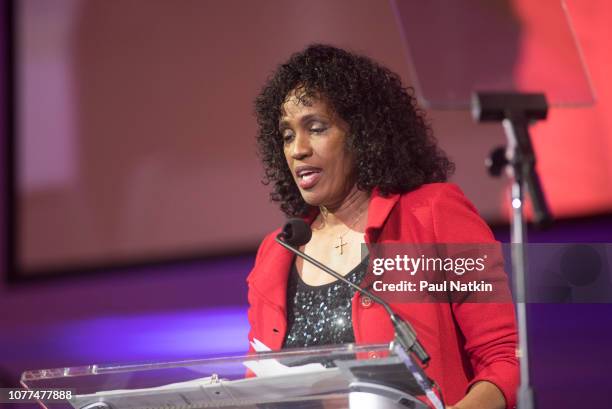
(311, 198)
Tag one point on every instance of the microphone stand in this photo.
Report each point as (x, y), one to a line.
(516, 111)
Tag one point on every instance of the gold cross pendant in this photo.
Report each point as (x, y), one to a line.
(341, 245)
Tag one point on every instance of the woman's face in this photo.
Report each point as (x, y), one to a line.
(314, 140)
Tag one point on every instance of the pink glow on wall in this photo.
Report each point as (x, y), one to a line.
(574, 145)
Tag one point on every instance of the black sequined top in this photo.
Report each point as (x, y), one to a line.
(320, 315)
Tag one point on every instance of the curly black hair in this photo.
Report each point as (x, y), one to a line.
(392, 144)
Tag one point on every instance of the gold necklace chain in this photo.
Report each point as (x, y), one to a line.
(341, 243)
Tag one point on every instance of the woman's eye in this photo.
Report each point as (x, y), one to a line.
(287, 136)
(318, 129)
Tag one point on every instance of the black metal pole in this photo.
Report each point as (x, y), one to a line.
(525, 395)
(516, 111)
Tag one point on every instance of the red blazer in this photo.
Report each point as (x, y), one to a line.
(466, 342)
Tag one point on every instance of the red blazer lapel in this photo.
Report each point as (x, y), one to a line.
(379, 210)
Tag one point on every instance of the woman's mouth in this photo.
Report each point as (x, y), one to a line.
(307, 176)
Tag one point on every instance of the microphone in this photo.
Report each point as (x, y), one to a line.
(296, 233)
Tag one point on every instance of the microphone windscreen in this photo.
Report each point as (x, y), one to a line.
(296, 232)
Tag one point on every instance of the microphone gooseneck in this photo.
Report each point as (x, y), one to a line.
(297, 232)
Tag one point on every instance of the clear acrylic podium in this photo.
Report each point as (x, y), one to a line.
(347, 376)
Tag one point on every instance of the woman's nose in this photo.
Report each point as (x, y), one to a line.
(301, 146)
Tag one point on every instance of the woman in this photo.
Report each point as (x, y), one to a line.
(345, 147)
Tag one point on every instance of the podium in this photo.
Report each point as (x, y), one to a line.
(346, 376)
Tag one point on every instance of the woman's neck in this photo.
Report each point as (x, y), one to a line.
(349, 212)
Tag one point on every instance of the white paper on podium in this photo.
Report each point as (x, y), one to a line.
(271, 367)
(259, 346)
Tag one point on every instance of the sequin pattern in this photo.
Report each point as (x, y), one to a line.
(320, 315)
